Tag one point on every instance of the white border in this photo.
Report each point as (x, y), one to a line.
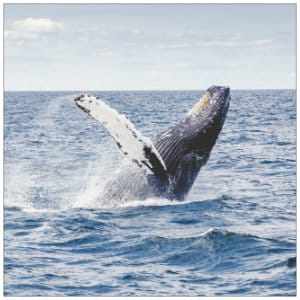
(141, 2)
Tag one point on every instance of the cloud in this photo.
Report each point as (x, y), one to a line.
(234, 42)
(229, 41)
(260, 42)
(37, 25)
(220, 43)
(31, 28)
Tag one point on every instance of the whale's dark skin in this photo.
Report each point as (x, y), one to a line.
(184, 147)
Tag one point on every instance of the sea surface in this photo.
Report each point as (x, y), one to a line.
(235, 235)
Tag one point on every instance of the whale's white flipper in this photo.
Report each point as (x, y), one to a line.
(131, 142)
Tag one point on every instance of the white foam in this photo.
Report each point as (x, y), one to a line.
(92, 179)
(156, 201)
(17, 181)
(149, 202)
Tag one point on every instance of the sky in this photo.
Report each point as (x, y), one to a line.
(149, 46)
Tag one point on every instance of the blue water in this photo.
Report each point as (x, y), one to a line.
(234, 235)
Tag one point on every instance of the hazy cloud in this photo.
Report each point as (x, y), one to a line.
(232, 41)
(260, 42)
(221, 43)
(30, 28)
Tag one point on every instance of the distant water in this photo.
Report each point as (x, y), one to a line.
(234, 235)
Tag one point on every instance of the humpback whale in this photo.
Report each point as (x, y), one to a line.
(168, 164)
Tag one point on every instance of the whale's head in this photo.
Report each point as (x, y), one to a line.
(186, 146)
(207, 117)
(212, 106)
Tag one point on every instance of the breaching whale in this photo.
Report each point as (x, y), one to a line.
(168, 164)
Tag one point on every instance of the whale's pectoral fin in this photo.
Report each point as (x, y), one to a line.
(130, 141)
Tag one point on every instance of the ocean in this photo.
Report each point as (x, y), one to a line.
(234, 235)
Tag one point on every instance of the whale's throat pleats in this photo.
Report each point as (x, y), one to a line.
(185, 147)
(183, 165)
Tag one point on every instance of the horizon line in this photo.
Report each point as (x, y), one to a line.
(144, 90)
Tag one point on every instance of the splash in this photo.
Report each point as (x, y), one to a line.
(93, 180)
(34, 154)
(17, 183)
(63, 162)
(53, 171)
